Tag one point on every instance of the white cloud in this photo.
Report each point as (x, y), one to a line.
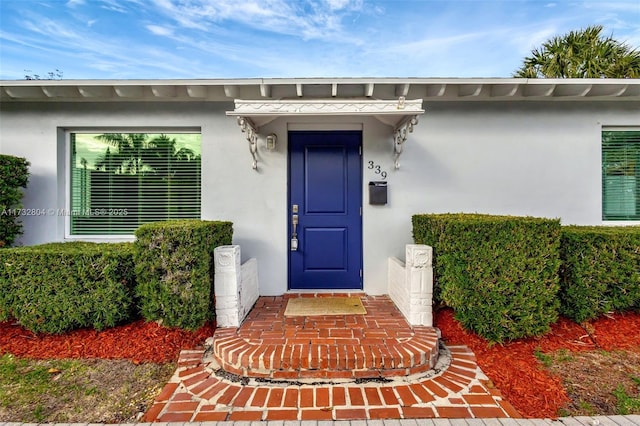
(526, 39)
(344, 4)
(49, 28)
(337, 4)
(304, 19)
(632, 39)
(161, 31)
(114, 6)
(428, 44)
(632, 7)
(80, 49)
(294, 38)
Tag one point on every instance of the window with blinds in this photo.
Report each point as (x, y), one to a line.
(120, 181)
(621, 175)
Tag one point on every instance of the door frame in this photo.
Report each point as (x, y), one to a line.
(325, 129)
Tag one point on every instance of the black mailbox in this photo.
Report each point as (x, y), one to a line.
(378, 193)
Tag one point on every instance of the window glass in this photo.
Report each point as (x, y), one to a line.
(122, 180)
(621, 175)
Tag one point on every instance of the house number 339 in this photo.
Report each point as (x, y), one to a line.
(377, 170)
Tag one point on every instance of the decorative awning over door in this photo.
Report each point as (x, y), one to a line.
(400, 114)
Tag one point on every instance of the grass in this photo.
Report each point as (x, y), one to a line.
(563, 355)
(627, 404)
(598, 382)
(547, 360)
(68, 391)
(23, 382)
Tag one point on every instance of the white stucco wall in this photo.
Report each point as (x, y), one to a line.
(519, 158)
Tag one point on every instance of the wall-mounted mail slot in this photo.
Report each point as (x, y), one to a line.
(377, 193)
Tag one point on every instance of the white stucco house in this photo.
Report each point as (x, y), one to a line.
(320, 176)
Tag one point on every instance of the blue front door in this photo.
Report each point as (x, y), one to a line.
(325, 199)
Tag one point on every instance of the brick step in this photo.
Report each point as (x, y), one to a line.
(326, 358)
(378, 344)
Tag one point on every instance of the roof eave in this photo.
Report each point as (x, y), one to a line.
(429, 89)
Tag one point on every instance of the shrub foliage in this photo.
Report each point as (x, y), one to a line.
(13, 176)
(499, 273)
(57, 287)
(174, 270)
(600, 270)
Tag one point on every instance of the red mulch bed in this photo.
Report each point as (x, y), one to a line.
(138, 342)
(514, 369)
(512, 366)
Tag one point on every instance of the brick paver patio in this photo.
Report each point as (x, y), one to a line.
(341, 367)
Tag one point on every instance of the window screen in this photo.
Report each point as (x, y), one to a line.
(120, 181)
(621, 175)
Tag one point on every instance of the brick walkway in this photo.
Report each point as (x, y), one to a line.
(346, 367)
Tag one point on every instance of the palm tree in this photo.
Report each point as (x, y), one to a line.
(148, 175)
(162, 156)
(582, 54)
(130, 155)
(174, 167)
(129, 158)
(83, 185)
(107, 162)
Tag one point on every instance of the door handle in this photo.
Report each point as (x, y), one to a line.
(294, 234)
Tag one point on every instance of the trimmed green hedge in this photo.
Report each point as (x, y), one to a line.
(13, 176)
(174, 270)
(57, 287)
(499, 273)
(600, 270)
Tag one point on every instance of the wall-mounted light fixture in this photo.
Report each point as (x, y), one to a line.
(272, 139)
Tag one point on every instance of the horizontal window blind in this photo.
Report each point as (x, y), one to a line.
(121, 181)
(621, 175)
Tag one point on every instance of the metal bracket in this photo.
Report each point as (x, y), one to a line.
(400, 134)
(248, 128)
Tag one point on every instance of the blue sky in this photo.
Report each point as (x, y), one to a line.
(148, 39)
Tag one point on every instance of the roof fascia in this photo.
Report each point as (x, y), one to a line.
(435, 89)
